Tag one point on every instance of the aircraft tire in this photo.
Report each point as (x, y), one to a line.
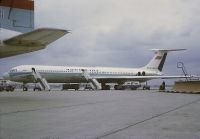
(25, 89)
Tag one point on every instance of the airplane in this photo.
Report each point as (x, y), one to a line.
(18, 15)
(97, 76)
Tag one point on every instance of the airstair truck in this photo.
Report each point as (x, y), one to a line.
(6, 86)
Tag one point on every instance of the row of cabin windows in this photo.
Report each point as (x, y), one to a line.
(90, 71)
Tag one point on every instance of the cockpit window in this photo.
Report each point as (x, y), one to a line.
(13, 70)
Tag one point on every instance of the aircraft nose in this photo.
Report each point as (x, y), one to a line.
(6, 76)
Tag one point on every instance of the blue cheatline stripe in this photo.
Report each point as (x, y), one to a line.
(62, 74)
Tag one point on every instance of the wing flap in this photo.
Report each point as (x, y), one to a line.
(38, 37)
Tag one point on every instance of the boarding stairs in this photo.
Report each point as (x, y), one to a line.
(182, 66)
(42, 81)
(93, 82)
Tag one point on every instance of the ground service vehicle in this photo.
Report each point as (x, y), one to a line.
(128, 86)
(6, 86)
(67, 86)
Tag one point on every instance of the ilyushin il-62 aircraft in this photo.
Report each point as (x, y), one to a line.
(18, 15)
(97, 76)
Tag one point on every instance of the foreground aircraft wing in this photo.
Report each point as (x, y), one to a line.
(31, 41)
(42, 36)
(136, 78)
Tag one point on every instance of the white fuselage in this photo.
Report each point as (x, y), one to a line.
(65, 74)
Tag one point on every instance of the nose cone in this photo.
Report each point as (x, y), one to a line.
(6, 76)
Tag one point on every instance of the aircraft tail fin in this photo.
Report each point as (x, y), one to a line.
(158, 60)
(17, 15)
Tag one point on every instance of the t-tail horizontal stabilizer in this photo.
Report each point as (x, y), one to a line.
(158, 60)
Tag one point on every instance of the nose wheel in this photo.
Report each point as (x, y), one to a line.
(25, 87)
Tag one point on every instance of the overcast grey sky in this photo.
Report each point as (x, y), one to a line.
(117, 33)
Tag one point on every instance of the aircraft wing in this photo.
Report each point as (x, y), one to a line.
(135, 78)
(31, 41)
(42, 36)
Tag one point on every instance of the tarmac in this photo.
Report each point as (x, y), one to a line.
(99, 115)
